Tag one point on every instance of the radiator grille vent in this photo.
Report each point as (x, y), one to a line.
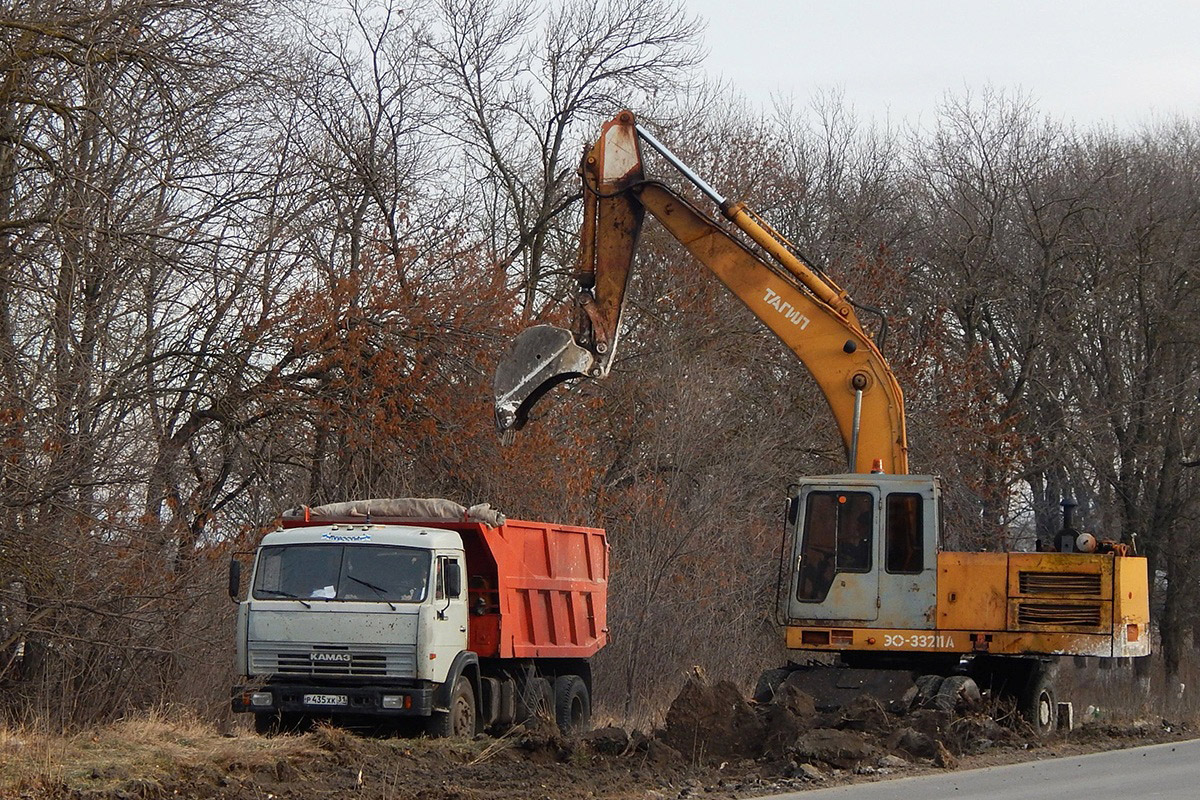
(1077, 583)
(393, 661)
(1085, 616)
(357, 664)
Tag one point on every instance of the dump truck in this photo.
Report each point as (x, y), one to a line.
(381, 611)
(863, 575)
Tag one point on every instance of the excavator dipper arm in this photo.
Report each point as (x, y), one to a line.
(805, 309)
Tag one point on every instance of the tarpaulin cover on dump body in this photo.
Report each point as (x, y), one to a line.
(417, 508)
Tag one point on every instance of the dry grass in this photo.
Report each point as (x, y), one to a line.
(1117, 693)
(147, 747)
(175, 747)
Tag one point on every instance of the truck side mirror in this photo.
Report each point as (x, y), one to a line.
(793, 512)
(235, 579)
(453, 579)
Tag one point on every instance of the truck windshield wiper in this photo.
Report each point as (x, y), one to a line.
(289, 595)
(378, 590)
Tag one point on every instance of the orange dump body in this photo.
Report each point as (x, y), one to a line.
(535, 589)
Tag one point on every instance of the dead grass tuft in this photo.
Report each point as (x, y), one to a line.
(144, 748)
(1116, 692)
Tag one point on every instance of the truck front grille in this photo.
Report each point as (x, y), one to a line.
(356, 664)
(391, 661)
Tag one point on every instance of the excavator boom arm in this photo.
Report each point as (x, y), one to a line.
(839, 354)
(806, 310)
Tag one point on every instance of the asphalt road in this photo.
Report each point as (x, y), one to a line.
(1142, 773)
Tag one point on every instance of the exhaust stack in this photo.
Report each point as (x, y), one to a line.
(1066, 537)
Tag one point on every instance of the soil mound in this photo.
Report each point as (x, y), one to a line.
(862, 721)
(165, 760)
(713, 722)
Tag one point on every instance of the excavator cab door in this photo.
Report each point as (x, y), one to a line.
(908, 554)
(863, 552)
(834, 554)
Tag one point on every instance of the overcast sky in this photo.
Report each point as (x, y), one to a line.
(1095, 61)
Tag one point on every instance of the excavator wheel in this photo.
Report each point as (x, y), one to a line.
(1039, 704)
(1025, 683)
(958, 692)
(928, 687)
(769, 683)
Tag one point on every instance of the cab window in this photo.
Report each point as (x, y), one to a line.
(905, 534)
(837, 538)
(444, 566)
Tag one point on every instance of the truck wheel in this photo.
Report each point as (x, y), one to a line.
(459, 720)
(572, 706)
(1039, 706)
(534, 699)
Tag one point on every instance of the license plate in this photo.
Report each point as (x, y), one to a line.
(325, 700)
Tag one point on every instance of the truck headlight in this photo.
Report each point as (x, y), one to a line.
(261, 699)
(397, 701)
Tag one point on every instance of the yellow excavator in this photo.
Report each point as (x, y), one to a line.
(863, 574)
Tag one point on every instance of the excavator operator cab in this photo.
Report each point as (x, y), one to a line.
(857, 538)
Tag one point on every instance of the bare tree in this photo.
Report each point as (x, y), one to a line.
(1133, 357)
(523, 88)
(113, 201)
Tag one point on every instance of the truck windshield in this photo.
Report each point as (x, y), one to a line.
(342, 572)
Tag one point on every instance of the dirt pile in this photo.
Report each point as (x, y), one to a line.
(849, 728)
(713, 722)
(335, 763)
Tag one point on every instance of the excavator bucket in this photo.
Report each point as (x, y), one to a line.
(541, 358)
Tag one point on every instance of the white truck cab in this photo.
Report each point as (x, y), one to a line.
(362, 619)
